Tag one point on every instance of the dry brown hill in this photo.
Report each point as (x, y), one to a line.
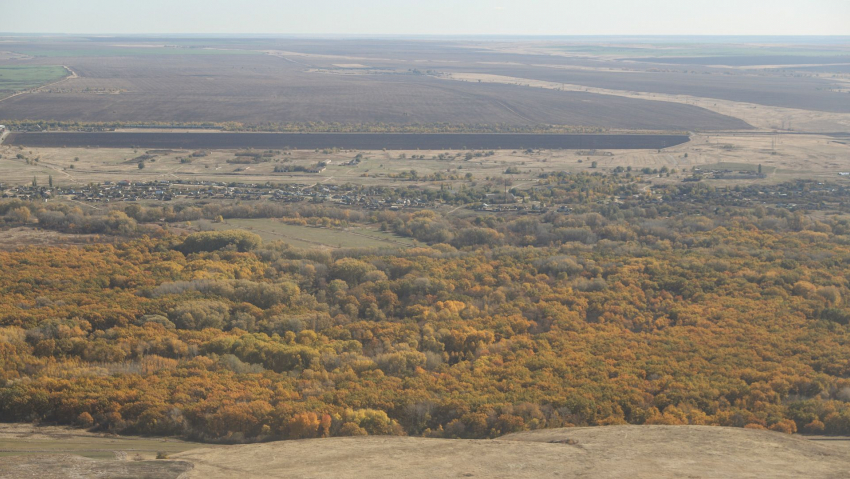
(600, 452)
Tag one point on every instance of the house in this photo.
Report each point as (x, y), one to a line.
(2, 128)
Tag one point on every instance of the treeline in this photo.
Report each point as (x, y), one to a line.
(582, 190)
(73, 219)
(592, 215)
(134, 220)
(628, 314)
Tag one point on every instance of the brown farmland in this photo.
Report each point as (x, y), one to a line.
(292, 88)
(781, 91)
(358, 141)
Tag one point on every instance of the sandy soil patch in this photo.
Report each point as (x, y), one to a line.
(13, 56)
(760, 116)
(285, 53)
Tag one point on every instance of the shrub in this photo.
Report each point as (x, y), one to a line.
(216, 240)
(477, 236)
(555, 265)
(786, 426)
(350, 270)
(155, 319)
(85, 419)
(836, 315)
(814, 427)
(804, 289)
(200, 315)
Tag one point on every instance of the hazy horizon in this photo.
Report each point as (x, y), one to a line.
(386, 36)
(538, 18)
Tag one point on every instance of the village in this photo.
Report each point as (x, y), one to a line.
(165, 190)
(803, 194)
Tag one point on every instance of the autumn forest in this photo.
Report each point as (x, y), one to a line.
(684, 305)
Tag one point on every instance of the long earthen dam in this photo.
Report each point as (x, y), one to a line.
(352, 141)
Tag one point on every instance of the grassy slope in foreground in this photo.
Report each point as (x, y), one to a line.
(598, 452)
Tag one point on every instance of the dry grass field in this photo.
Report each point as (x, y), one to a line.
(362, 141)
(27, 440)
(60, 452)
(787, 155)
(601, 452)
(310, 237)
(14, 238)
(607, 452)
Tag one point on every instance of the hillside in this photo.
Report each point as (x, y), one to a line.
(690, 311)
(597, 452)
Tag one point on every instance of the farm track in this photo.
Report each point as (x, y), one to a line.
(354, 141)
